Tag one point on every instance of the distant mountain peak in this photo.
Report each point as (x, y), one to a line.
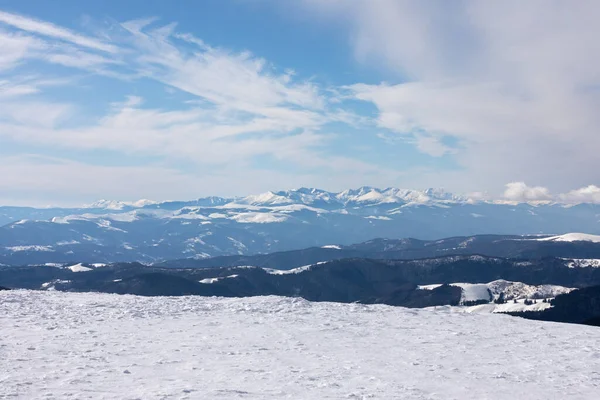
(107, 205)
(119, 205)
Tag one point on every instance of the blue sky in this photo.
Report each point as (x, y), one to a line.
(173, 100)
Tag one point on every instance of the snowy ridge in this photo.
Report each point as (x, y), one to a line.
(29, 248)
(364, 195)
(573, 237)
(298, 270)
(584, 263)
(213, 280)
(79, 268)
(119, 205)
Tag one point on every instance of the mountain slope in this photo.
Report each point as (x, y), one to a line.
(579, 306)
(394, 282)
(521, 247)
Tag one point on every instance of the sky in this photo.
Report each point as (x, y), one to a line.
(179, 100)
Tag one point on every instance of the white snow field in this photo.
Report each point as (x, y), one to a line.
(57, 345)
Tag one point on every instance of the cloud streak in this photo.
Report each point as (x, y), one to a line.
(50, 30)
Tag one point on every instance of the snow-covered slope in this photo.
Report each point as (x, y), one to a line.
(69, 345)
(511, 290)
(584, 263)
(79, 268)
(573, 237)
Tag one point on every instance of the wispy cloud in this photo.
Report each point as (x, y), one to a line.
(247, 107)
(238, 80)
(50, 30)
(16, 48)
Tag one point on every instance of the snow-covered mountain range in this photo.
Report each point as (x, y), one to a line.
(309, 196)
(151, 231)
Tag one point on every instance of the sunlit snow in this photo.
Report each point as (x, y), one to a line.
(79, 268)
(87, 345)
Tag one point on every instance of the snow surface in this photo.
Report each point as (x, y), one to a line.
(79, 268)
(379, 217)
(297, 270)
(58, 345)
(584, 263)
(493, 308)
(213, 280)
(473, 291)
(509, 306)
(573, 237)
(259, 218)
(209, 280)
(29, 248)
(331, 246)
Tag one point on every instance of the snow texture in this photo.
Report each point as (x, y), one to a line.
(87, 345)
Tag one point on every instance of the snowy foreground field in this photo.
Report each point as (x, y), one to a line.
(100, 346)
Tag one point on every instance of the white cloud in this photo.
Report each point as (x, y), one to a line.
(588, 194)
(32, 115)
(16, 48)
(9, 89)
(236, 80)
(432, 146)
(51, 30)
(519, 191)
(79, 59)
(26, 85)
